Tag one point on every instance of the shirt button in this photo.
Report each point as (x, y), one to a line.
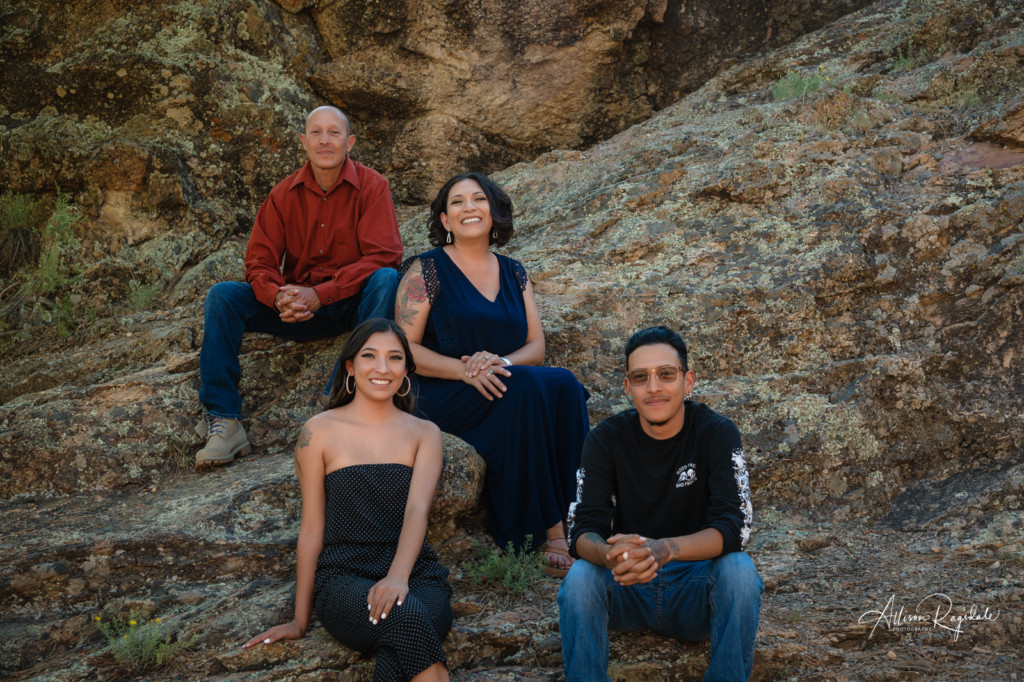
(321, 250)
(321, 225)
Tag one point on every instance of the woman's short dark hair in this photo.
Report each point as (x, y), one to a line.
(340, 393)
(500, 204)
(653, 335)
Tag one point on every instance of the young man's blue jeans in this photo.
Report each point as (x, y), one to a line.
(718, 599)
(232, 309)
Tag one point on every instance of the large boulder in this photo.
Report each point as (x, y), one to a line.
(439, 87)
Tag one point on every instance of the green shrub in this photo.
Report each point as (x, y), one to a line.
(56, 268)
(138, 646)
(910, 60)
(21, 217)
(64, 316)
(794, 85)
(141, 296)
(508, 573)
(39, 253)
(860, 122)
(970, 99)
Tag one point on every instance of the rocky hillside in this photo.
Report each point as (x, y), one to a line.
(836, 225)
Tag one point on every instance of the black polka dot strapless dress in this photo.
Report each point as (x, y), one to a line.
(365, 508)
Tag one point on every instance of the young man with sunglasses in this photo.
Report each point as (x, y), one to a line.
(661, 517)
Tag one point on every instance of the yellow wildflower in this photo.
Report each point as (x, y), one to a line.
(131, 622)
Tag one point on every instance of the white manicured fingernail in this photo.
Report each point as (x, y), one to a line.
(266, 641)
(399, 602)
(367, 607)
(383, 616)
(625, 555)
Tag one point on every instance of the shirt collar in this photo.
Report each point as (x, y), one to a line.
(305, 176)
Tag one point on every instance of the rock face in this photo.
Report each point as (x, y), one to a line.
(481, 85)
(160, 120)
(835, 226)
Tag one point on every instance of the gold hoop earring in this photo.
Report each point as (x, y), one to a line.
(402, 395)
(349, 389)
(449, 236)
(494, 234)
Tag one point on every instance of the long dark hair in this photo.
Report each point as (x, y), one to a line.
(500, 204)
(340, 393)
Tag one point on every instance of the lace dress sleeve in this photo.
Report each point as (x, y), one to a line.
(429, 274)
(520, 273)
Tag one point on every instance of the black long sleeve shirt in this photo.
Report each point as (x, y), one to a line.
(629, 482)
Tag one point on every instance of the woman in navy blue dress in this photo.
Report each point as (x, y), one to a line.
(476, 335)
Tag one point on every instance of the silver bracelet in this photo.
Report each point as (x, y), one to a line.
(505, 360)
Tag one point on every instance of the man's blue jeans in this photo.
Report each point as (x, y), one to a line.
(718, 599)
(232, 309)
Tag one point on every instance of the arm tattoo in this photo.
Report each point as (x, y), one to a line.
(416, 289)
(593, 537)
(305, 435)
(404, 312)
(412, 290)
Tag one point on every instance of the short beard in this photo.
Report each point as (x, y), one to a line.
(661, 423)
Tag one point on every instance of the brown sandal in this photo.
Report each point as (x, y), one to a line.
(551, 569)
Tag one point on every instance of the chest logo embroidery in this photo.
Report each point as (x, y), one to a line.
(687, 475)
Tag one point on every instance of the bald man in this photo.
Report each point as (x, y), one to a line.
(322, 258)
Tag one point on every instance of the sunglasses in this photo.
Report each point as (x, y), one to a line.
(639, 378)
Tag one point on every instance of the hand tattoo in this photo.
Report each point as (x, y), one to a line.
(663, 551)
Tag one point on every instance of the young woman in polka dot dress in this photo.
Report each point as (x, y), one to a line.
(368, 470)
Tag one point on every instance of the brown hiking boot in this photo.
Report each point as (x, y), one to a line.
(225, 440)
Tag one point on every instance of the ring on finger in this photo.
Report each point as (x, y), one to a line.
(490, 371)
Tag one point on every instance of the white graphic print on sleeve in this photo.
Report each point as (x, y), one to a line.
(687, 475)
(739, 466)
(571, 518)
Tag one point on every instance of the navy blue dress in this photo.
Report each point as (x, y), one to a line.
(531, 437)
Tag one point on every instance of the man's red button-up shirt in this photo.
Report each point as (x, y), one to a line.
(331, 241)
